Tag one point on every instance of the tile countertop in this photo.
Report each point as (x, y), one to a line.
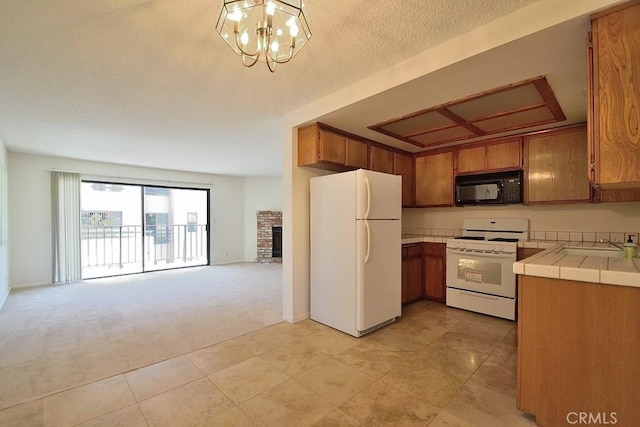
(412, 238)
(554, 263)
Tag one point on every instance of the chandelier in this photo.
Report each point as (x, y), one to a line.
(271, 31)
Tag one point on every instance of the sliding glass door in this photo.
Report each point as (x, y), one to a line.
(175, 227)
(133, 228)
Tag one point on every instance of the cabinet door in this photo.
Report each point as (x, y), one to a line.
(616, 45)
(471, 159)
(403, 165)
(434, 179)
(357, 154)
(380, 160)
(405, 275)
(411, 272)
(333, 148)
(434, 278)
(555, 167)
(504, 155)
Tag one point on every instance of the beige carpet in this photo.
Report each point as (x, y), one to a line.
(58, 337)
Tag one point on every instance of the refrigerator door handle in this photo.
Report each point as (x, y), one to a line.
(368, 185)
(366, 225)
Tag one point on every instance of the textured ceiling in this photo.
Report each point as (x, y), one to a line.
(150, 83)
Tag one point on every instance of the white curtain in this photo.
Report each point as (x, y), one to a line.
(65, 224)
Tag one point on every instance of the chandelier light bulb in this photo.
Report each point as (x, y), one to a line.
(252, 28)
(271, 9)
(236, 16)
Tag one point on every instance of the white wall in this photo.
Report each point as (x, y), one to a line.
(260, 194)
(30, 209)
(610, 217)
(528, 20)
(4, 250)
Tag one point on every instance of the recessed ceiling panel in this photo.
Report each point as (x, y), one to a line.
(498, 103)
(446, 135)
(516, 121)
(418, 124)
(516, 106)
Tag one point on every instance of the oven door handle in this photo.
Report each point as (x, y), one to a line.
(485, 254)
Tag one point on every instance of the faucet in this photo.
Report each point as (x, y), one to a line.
(612, 243)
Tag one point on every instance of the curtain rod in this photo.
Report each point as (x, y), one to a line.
(108, 177)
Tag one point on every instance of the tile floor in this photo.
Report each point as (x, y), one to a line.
(436, 366)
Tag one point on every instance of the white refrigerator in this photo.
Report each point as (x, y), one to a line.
(356, 250)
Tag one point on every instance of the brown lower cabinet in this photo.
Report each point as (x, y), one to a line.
(527, 252)
(423, 272)
(434, 255)
(411, 272)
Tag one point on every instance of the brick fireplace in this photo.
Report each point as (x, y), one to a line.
(267, 221)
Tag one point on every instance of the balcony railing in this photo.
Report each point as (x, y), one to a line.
(107, 249)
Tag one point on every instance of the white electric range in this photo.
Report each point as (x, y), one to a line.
(480, 274)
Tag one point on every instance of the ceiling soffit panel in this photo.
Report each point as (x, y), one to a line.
(519, 105)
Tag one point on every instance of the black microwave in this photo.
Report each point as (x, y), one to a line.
(498, 188)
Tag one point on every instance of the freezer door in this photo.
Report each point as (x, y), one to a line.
(379, 195)
(379, 277)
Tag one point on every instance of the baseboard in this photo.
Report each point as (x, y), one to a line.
(31, 285)
(296, 319)
(238, 261)
(3, 299)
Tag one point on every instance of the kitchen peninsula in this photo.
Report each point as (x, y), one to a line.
(579, 334)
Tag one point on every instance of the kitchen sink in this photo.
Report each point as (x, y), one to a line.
(600, 252)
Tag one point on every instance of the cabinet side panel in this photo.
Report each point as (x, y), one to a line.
(307, 145)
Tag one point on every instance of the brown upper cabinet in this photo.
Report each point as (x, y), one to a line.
(554, 165)
(434, 179)
(614, 101)
(357, 154)
(329, 150)
(380, 160)
(490, 156)
(403, 166)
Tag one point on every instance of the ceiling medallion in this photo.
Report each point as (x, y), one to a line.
(271, 31)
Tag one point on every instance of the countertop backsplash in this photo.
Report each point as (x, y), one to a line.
(536, 235)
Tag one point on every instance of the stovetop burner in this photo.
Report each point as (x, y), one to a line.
(503, 239)
(471, 237)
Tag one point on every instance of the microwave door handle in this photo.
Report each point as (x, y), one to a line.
(499, 195)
